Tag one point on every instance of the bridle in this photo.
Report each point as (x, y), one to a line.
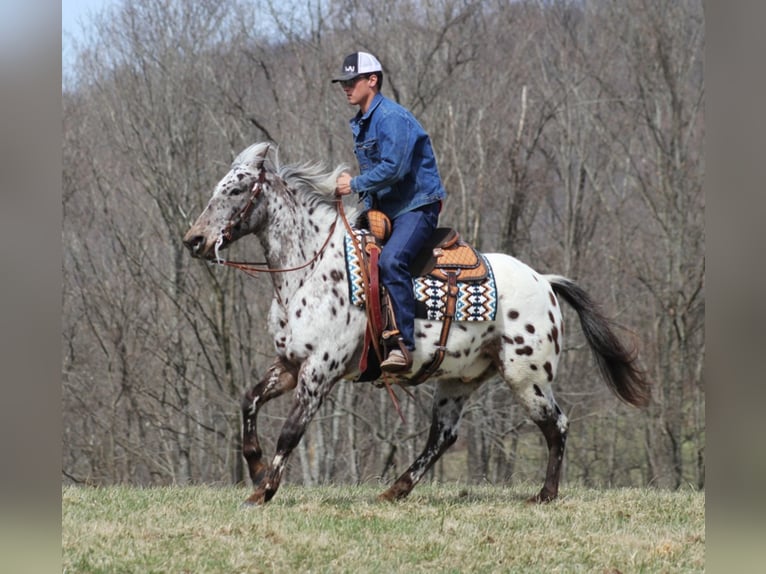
(244, 213)
(263, 267)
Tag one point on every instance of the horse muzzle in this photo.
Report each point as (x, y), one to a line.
(198, 245)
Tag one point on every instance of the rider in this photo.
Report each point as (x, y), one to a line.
(399, 176)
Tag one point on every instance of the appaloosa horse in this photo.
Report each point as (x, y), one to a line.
(318, 333)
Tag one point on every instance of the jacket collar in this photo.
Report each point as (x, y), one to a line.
(359, 117)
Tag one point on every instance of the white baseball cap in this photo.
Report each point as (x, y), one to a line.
(357, 64)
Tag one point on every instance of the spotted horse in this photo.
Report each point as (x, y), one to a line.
(318, 334)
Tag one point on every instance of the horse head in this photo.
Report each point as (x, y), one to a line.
(237, 206)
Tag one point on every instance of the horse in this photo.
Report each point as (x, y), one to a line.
(318, 334)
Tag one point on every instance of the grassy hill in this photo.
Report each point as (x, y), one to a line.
(440, 528)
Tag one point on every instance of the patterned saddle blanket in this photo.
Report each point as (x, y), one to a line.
(477, 294)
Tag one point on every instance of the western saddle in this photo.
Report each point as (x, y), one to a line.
(445, 257)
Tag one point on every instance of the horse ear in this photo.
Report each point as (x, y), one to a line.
(254, 156)
(260, 157)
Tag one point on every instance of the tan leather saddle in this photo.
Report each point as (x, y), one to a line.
(445, 257)
(446, 254)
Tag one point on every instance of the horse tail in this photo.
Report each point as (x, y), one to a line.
(617, 364)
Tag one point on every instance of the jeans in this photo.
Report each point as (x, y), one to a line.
(410, 231)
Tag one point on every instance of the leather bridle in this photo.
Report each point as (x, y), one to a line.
(244, 213)
(263, 267)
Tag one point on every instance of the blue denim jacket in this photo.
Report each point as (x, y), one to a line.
(398, 171)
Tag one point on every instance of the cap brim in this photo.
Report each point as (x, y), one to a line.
(344, 77)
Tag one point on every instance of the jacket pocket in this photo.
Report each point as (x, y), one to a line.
(368, 154)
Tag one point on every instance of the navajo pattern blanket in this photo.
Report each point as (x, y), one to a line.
(476, 301)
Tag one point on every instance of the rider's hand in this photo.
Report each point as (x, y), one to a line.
(343, 184)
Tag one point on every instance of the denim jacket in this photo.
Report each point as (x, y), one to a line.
(398, 171)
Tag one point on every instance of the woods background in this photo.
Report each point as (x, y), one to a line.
(569, 134)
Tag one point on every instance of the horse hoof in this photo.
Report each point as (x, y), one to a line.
(541, 498)
(254, 499)
(394, 494)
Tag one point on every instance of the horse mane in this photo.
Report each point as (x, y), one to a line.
(310, 178)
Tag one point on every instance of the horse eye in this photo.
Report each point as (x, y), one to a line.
(237, 191)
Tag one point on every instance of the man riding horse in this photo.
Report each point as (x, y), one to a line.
(398, 176)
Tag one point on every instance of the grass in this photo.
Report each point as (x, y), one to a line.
(343, 529)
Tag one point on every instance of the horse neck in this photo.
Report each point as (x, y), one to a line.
(296, 231)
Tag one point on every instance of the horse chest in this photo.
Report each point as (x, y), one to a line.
(313, 319)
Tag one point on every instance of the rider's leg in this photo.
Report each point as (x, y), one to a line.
(410, 232)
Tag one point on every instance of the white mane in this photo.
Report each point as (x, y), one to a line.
(311, 177)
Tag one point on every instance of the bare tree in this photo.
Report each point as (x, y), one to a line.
(654, 128)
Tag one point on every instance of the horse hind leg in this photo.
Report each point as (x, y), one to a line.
(279, 379)
(449, 400)
(537, 399)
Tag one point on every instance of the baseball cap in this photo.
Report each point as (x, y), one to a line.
(357, 64)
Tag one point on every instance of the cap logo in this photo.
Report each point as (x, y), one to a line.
(349, 68)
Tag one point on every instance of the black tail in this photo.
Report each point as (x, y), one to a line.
(617, 364)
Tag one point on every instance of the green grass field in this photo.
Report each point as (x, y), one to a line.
(343, 529)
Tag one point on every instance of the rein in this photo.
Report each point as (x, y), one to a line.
(263, 267)
(369, 330)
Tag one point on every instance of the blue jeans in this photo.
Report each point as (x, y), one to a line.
(409, 233)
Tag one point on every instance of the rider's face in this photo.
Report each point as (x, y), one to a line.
(359, 91)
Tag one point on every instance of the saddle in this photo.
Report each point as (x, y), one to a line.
(445, 257)
(446, 254)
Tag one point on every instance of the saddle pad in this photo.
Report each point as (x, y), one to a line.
(476, 301)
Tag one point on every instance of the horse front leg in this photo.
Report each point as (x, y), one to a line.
(279, 379)
(449, 400)
(313, 386)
